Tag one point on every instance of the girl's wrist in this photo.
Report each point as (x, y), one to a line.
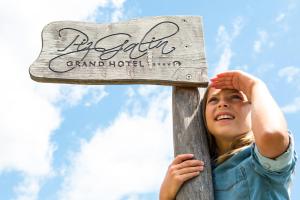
(257, 85)
(164, 197)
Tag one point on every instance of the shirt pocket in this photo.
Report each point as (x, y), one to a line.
(231, 184)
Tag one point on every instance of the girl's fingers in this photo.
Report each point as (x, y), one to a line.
(222, 82)
(226, 77)
(181, 178)
(228, 80)
(229, 74)
(217, 79)
(189, 163)
(223, 85)
(185, 161)
(183, 168)
(190, 170)
(188, 176)
(181, 158)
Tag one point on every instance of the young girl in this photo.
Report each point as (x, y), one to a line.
(251, 149)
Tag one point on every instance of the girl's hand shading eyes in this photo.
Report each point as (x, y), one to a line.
(235, 80)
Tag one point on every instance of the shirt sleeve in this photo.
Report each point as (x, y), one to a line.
(279, 163)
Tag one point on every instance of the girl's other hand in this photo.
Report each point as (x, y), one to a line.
(181, 169)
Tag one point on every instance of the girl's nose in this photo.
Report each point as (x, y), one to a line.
(223, 104)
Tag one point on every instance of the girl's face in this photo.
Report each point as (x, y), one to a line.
(227, 113)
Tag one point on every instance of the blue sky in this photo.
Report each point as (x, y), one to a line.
(115, 142)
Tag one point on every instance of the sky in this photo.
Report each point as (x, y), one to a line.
(74, 142)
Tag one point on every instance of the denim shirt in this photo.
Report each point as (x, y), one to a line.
(250, 176)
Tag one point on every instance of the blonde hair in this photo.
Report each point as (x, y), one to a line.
(237, 145)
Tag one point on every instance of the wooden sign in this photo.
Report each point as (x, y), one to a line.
(156, 50)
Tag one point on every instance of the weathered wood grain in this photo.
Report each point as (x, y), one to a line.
(190, 137)
(155, 50)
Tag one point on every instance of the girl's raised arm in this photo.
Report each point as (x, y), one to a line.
(268, 123)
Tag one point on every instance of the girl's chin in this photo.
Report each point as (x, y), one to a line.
(226, 132)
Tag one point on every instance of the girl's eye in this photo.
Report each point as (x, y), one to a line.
(213, 99)
(236, 97)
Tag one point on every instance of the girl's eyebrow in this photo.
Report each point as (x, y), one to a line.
(235, 92)
(231, 92)
(212, 96)
(227, 92)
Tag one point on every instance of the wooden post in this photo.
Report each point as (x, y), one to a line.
(189, 137)
(164, 50)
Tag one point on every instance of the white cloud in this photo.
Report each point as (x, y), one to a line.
(290, 73)
(117, 15)
(237, 24)
(280, 17)
(282, 21)
(127, 158)
(74, 94)
(286, 11)
(130, 92)
(224, 61)
(97, 94)
(224, 40)
(118, 3)
(292, 107)
(28, 116)
(71, 95)
(147, 90)
(26, 123)
(28, 189)
(257, 46)
(263, 37)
